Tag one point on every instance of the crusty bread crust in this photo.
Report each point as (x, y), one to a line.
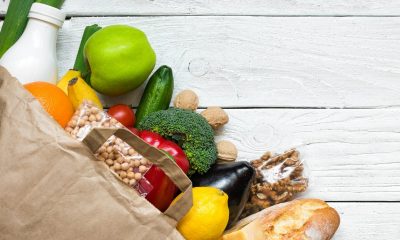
(303, 219)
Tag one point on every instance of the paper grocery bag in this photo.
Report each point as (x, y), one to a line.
(52, 187)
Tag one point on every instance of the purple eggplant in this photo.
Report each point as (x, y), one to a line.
(234, 179)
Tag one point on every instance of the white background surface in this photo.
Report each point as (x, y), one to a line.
(319, 75)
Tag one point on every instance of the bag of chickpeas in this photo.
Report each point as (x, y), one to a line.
(122, 159)
(56, 187)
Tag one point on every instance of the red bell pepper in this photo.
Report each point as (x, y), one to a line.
(164, 189)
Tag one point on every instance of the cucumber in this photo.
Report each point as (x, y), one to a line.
(157, 94)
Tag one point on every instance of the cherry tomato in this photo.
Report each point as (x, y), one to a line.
(123, 113)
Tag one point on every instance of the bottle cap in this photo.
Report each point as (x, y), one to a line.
(47, 13)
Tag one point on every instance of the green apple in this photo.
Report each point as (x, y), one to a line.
(120, 59)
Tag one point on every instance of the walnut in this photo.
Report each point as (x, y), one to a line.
(187, 99)
(227, 151)
(215, 116)
(278, 179)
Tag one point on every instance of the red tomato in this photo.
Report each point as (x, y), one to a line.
(123, 113)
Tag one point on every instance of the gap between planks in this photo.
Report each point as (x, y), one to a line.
(69, 16)
(332, 63)
(230, 8)
(301, 63)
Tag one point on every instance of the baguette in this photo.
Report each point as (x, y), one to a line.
(303, 219)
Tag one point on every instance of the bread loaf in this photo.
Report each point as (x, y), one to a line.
(303, 219)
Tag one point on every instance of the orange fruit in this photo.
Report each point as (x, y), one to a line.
(53, 100)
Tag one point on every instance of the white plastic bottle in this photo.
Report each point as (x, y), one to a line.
(33, 57)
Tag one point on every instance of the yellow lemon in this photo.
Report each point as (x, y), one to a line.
(208, 217)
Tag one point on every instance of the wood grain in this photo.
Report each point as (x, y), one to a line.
(368, 221)
(353, 155)
(268, 61)
(227, 7)
(286, 57)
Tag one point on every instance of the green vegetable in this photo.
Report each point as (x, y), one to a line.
(14, 23)
(80, 62)
(157, 94)
(190, 130)
(53, 3)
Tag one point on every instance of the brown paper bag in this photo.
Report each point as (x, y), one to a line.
(52, 187)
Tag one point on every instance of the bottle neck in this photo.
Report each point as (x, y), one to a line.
(41, 33)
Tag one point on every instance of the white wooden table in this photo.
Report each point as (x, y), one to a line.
(319, 75)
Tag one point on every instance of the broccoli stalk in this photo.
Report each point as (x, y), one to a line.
(188, 129)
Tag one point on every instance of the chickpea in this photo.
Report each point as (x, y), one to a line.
(136, 163)
(98, 117)
(101, 149)
(124, 151)
(116, 148)
(138, 176)
(104, 154)
(143, 161)
(120, 160)
(132, 182)
(131, 175)
(94, 110)
(125, 166)
(122, 174)
(109, 149)
(117, 166)
(73, 123)
(109, 162)
(131, 151)
(142, 169)
(92, 118)
(125, 180)
(82, 123)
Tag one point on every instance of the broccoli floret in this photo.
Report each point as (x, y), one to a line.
(190, 130)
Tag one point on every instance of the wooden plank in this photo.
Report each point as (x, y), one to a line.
(227, 7)
(353, 155)
(368, 221)
(268, 62)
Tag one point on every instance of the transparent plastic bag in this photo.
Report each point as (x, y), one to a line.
(279, 178)
(122, 159)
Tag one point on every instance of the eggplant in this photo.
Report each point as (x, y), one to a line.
(234, 179)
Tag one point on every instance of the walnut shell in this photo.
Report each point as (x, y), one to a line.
(215, 116)
(227, 151)
(187, 99)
